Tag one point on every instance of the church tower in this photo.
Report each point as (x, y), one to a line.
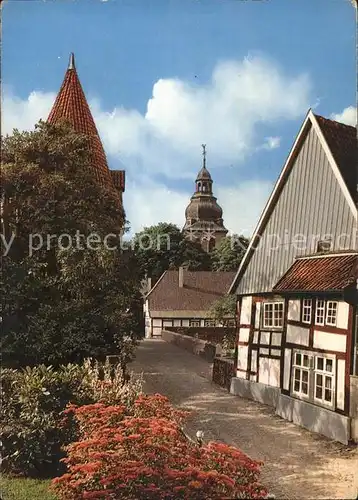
(71, 106)
(204, 222)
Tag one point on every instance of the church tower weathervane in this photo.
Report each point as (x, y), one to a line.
(203, 215)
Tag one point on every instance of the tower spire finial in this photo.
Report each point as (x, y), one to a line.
(204, 155)
(71, 63)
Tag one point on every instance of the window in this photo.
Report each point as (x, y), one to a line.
(313, 377)
(301, 372)
(326, 312)
(273, 315)
(194, 322)
(331, 313)
(307, 310)
(323, 380)
(209, 322)
(320, 308)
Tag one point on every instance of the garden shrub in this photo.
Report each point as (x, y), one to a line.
(146, 455)
(32, 405)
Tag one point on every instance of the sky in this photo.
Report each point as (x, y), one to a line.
(163, 77)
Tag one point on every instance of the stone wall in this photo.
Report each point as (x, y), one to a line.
(223, 371)
(202, 348)
(214, 334)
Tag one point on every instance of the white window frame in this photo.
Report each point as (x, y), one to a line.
(307, 311)
(326, 375)
(209, 323)
(329, 360)
(329, 308)
(194, 323)
(321, 309)
(276, 306)
(298, 365)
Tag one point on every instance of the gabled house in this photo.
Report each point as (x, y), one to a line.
(297, 288)
(182, 298)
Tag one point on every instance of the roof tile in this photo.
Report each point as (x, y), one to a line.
(71, 106)
(200, 290)
(342, 141)
(328, 273)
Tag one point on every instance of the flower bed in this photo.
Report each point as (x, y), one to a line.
(147, 455)
(32, 402)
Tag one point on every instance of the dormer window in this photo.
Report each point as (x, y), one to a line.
(324, 245)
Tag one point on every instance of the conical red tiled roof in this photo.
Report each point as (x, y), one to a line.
(71, 105)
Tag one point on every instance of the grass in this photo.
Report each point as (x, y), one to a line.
(13, 488)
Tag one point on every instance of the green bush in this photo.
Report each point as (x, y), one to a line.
(32, 405)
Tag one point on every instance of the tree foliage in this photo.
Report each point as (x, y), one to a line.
(70, 297)
(228, 255)
(163, 247)
(223, 308)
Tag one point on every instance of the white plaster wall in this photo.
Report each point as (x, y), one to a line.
(342, 315)
(287, 369)
(177, 322)
(265, 338)
(254, 360)
(240, 374)
(148, 326)
(276, 338)
(157, 331)
(275, 352)
(264, 351)
(341, 365)
(157, 322)
(244, 334)
(269, 371)
(294, 310)
(185, 322)
(257, 314)
(297, 335)
(256, 337)
(167, 323)
(245, 316)
(242, 353)
(329, 341)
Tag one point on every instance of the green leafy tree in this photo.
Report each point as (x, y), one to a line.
(163, 247)
(229, 253)
(64, 298)
(223, 309)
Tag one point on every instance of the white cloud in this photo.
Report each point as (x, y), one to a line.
(227, 114)
(24, 113)
(348, 116)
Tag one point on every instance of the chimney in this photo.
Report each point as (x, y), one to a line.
(181, 277)
(149, 284)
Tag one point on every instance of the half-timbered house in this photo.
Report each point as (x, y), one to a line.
(182, 298)
(297, 288)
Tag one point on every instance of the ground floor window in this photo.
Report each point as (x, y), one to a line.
(194, 323)
(209, 322)
(313, 377)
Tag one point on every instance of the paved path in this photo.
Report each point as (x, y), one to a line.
(298, 464)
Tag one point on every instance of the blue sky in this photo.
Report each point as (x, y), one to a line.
(153, 62)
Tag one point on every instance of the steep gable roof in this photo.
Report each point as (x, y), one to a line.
(200, 290)
(71, 106)
(339, 143)
(342, 142)
(319, 273)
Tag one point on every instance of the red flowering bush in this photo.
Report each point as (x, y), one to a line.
(146, 455)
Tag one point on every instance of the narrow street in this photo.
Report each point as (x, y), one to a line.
(297, 463)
